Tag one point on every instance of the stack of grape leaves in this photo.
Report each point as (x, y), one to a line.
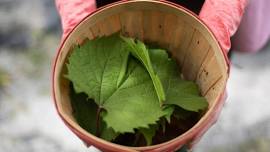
(128, 93)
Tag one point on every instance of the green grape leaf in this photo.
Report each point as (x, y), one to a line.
(169, 110)
(182, 93)
(85, 112)
(138, 49)
(108, 134)
(96, 68)
(149, 133)
(118, 83)
(135, 103)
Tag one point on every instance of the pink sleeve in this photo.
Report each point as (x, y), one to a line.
(223, 18)
(72, 12)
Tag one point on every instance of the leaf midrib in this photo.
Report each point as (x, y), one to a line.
(101, 86)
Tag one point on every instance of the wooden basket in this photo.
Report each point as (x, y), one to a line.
(172, 27)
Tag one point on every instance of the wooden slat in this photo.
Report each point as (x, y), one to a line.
(195, 55)
(153, 26)
(97, 29)
(214, 92)
(89, 34)
(86, 33)
(111, 25)
(65, 100)
(132, 24)
(171, 27)
(181, 41)
(210, 74)
(106, 27)
(208, 57)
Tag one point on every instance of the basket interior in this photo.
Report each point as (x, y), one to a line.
(197, 52)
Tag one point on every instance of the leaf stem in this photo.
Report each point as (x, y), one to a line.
(98, 121)
(139, 50)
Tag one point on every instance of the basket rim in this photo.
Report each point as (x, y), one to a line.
(200, 126)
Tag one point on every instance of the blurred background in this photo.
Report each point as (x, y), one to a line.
(29, 36)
